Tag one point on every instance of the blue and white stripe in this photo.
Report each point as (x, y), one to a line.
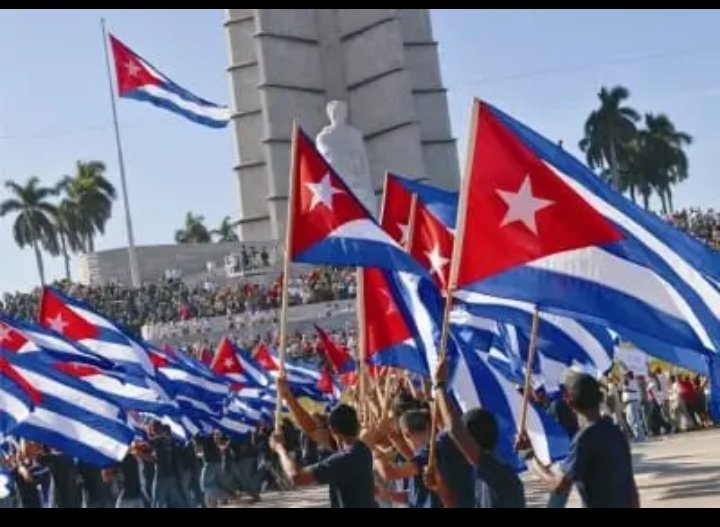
(73, 417)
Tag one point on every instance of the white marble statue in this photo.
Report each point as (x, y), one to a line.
(344, 148)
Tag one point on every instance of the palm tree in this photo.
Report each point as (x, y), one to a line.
(608, 130)
(194, 230)
(33, 222)
(67, 221)
(226, 231)
(671, 158)
(94, 195)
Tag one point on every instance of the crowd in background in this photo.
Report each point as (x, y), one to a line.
(702, 224)
(174, 301)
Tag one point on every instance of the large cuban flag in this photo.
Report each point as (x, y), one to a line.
(540, 227)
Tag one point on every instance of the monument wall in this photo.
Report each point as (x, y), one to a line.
(287, 64)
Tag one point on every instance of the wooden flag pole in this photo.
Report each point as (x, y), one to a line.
(286, 270)
(528, 369)
(362, 344)
(454, 268)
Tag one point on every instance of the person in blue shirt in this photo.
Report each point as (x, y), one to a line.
(415, 427)
(600, 462)
(496, 485)
(348, 471)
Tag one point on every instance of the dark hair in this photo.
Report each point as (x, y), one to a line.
(584, 392)
(343, 420)
(404, 402)
(483, 428)
(415, 421)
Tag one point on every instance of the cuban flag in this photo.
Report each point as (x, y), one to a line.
(78, 322)
(138, 79)
(131, 392)
(476, 384)
(197, 391)
(329, 225)
(337, 356)
(561, 339)
(239, 419)
(394, 318)
(541, 228)
(232, 363)
(397, 205)
(23, 337)
(17, 396)
(72, 416)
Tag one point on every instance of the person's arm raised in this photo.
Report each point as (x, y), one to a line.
(452, 418)
(305, 421)
(298, 476)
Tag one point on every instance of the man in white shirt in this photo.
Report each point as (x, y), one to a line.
(631, 400)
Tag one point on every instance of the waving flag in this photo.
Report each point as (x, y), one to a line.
(338, 356)
(545, 230)
(17, 396)
(329, 225)
(397, 202)
(137, 79)
(230, 362)
(131, 392)
(78, 322)
(560, 339)
(394, 318)
(475, 384)
(21, 337)
(72, 416)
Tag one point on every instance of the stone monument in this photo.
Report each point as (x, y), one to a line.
(344, 148)
(288, 64)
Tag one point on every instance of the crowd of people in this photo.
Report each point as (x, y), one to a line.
(702, 224)
(158, 472)
(174, 301)
(659, 403)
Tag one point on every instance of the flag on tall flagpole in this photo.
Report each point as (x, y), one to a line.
(137, 79)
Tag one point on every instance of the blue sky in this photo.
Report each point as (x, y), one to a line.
(543, 67)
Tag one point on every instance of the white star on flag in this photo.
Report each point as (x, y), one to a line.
(323, 192)
(523, 206)
(132, 68)
(437, 261)
(4, 333)
(229, 363)
(57, 324)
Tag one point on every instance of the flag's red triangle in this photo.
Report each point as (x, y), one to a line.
(264, 358)
(518, 209)
(57, 316)
(322, 201)
(432, 245)
(11, 339)
(11, 373)
(397, 202)
(225, 361)
(385, 325)
(336, 355)
(131, 72)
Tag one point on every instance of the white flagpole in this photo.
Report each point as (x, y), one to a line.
(134, 270)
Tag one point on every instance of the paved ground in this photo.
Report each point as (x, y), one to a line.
(678, 471)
